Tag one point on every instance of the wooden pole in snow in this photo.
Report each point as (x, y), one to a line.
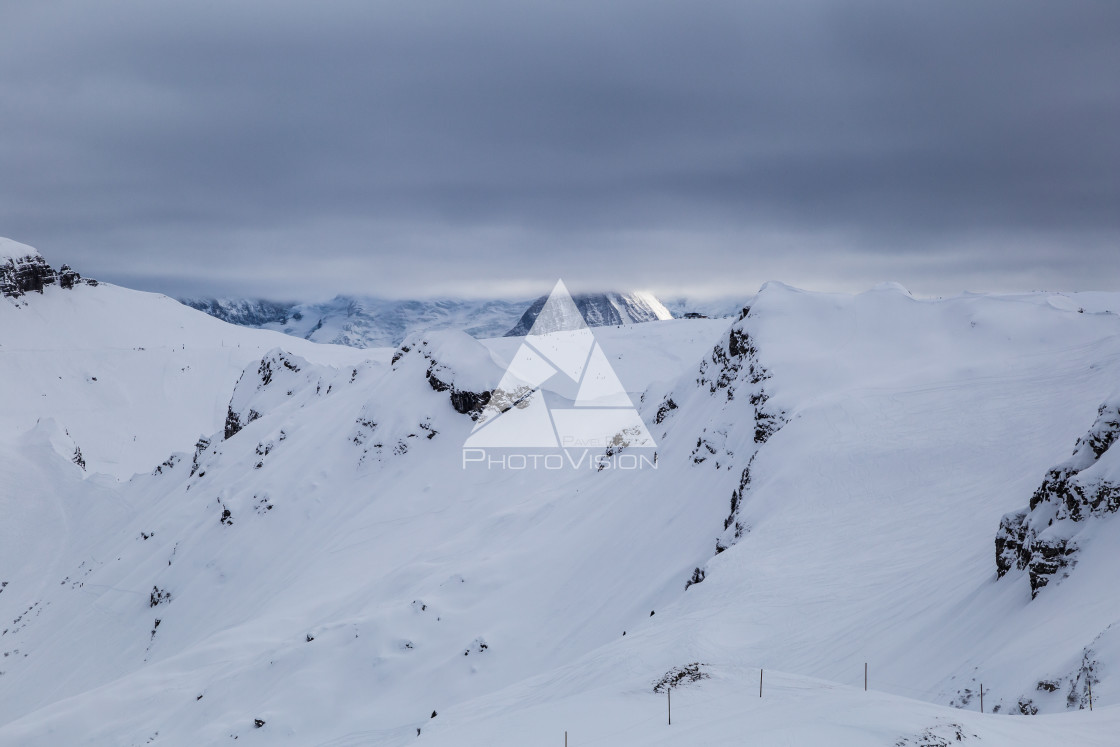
(981, 697)
(669, 692)
(760, 683)
(565, 739)
(865, 676)
(1090, 683)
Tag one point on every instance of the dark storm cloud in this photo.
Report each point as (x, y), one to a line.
(427, 147)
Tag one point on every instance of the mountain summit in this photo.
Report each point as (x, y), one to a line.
(599, 310)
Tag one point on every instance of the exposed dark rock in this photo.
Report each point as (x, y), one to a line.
(697, 577)
(1042, 538)
(31, 273)
(464, 402)
(733, 367)
(68, 278)
(200, 446)
(680, 675)
(468, 403)
(234, 422)
(269, 365)
(662, 412)
(19, 275)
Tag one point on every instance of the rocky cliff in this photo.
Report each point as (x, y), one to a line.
(23, 270)
(1043, 539)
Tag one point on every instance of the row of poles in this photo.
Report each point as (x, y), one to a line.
(761, 672)
(669, 694)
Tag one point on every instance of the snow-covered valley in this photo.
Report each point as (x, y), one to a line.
(275, 541)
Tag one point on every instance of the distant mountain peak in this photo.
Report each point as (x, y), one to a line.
(606, 309)
(365, 322)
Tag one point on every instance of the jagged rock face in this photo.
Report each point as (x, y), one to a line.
(442, 379)
(1043, 539)
(279, 376)
(19, 275)
(247, 312)
(23, 270)
(734, 368)
(600, 310)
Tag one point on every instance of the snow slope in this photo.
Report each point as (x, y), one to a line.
(331, 572)
(132, 376)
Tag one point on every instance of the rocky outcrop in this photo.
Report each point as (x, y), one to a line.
(432, 351)
(278, 378)
(733, 371)
(28, 274)
(1043, 539)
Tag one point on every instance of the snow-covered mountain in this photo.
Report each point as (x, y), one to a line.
(375, 322)
(304, 559)
(601, 310)
(247, 312)
(363, 322)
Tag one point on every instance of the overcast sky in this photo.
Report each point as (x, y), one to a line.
(301, 149)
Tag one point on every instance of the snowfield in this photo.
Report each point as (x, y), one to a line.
(275, 542)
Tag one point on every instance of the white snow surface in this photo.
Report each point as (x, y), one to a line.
(14, 250)
(333, 571)
(132, 376)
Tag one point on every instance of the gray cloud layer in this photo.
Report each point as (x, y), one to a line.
(299, 149)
